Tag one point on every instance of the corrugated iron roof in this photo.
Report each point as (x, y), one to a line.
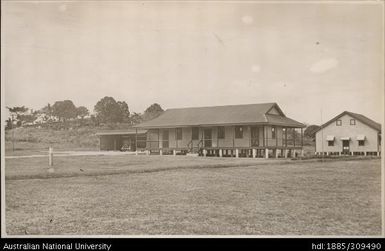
(220, 115)
(284, 121)
(365, 120)
(360, 117)
(121, 132)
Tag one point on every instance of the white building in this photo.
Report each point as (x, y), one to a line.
(349, 134)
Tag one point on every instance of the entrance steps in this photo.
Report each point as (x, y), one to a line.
(192, 154)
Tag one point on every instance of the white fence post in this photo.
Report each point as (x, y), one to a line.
(50, 160)
(50, 156)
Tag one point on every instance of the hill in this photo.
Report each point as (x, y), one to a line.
(23, 139)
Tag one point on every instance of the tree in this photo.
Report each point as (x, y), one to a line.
(46, 110)
(136, 118)
(17, 114)
(82, 111)
(17, 111)
(64, 110)
(152, 112)
(94, 120)
(125, 113)
(108, 110)
(9, 124)
(311, 130)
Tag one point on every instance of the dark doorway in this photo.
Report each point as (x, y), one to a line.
(254, 136)
(345, 147)
(127, 144)
(207, 137)
(165, 139)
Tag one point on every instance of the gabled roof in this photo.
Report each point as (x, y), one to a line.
(367, 121)
(221, 115)
(273, 119)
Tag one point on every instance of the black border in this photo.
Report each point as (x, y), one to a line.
(233, 243)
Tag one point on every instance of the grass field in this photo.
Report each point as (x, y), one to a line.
(131, 195)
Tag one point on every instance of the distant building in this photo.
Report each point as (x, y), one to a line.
(42, 117)
(122, 140)
(255, 130)
(349, 134)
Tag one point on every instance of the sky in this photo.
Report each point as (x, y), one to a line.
(310, 58)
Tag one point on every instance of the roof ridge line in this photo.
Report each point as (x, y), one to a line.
(178, 108)
(354, 115)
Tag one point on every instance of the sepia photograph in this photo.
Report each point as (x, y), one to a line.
(191, 119)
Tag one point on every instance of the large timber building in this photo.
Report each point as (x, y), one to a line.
(252, 130)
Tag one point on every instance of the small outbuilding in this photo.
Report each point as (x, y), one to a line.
(122, 140)
(349, 134)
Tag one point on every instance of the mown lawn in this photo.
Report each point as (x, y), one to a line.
(192, 196)
(65, 166)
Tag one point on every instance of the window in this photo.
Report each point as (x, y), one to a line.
(195, 133)
(165, 138)
(352, 122)
(338, 122)
(273, 132)
(221, 132)
(179, 133)
(361, 142)
(330, 143)
(238, 132)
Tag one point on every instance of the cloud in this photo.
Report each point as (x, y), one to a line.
(324, 65)
(247, 19)
(255, 68)
(63, 7)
